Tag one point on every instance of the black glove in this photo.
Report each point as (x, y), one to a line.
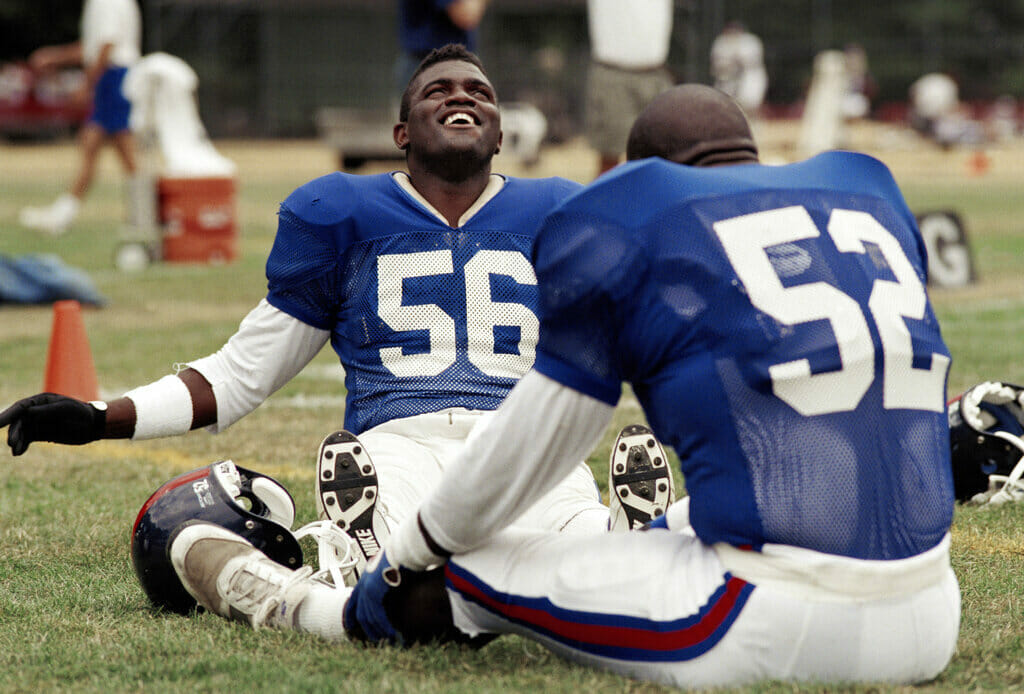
(52, 417)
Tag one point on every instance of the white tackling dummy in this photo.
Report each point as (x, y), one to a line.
(162, 89)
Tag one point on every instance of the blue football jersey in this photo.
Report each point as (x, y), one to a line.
(774, 325)
(422, 316)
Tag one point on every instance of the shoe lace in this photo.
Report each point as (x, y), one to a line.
(337, 554)
(258, 588)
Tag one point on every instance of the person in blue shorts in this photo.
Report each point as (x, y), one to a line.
(111, 41)
(774, 325)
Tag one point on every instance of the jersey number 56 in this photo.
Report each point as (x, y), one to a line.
(483, 314)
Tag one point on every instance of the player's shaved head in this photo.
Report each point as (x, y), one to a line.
(692, 124)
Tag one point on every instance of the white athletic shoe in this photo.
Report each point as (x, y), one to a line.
(228, 576)
(640, 484)
(346, 494)
(53, 219)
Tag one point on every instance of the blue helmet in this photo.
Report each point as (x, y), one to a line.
(245, 502)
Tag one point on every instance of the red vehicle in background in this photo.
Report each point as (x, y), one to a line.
(34, 106)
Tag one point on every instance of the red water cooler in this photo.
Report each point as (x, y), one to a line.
(197, 217)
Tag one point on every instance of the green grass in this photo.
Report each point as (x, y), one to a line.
(72, 617)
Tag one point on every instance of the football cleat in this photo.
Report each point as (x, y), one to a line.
(640, 484)
(228, 576)
(347, 496)
(54, 219)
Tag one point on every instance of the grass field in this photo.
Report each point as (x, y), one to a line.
(72, 617)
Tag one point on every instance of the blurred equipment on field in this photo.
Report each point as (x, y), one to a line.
(840, 92)
(182, 205)
(44, 278)
(860, 85)
(34, 106)
(524, 127)
(360, 135)
(1002, 122)
(821, 127)
(937, 113)
(949, 253)
(162, 90)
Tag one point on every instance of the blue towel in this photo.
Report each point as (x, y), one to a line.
(43, 279)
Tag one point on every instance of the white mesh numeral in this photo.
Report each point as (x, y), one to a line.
(392, 270)
(482, 313)
(746, 239)
(904, 386)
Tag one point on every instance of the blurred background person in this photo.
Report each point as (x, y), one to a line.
(1002, 121)
(629, 44)
(424, 25)
(110, 42)
(737, 67)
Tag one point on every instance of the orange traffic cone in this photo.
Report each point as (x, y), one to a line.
(69, 367)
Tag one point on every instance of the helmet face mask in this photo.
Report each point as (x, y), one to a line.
(245, 502)
(986, 431)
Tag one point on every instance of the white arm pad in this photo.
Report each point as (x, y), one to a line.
(538, 436)
(162, 408)
(268, 350)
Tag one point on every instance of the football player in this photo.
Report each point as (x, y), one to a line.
(774, 324)
(422, 283)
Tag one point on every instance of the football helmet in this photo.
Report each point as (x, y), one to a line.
(986, 426)
(245, 502)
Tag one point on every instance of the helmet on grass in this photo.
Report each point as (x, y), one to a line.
(245, 502)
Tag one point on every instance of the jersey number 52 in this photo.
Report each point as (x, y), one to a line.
(746, 239)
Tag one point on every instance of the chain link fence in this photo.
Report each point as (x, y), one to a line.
(266, 67)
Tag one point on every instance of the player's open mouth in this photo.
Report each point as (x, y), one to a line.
(460, 119)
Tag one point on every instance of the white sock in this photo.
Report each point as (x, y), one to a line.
(321, 612)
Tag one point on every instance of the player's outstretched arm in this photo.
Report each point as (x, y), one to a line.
(62, 419)
(269, 348)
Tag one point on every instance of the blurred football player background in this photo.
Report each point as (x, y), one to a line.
(737, 66)
(110, 43)
(629, 44)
